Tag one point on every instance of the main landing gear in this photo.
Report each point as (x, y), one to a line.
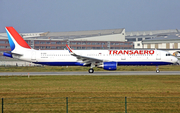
(157, 69)
(91, 70)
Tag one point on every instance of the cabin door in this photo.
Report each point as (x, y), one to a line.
(158, 55)
(33, 56)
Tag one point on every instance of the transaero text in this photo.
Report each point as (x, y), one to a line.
(117, 52)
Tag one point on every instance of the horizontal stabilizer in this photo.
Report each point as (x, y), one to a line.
(10, 54)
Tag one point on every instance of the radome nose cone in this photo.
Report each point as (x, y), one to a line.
(175, 60)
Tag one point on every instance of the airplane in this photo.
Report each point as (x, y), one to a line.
(106, 59)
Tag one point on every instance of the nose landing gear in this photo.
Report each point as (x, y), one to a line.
(157, 69)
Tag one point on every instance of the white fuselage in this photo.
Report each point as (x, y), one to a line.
(122, 57)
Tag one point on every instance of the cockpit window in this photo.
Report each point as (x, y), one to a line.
(168, 54)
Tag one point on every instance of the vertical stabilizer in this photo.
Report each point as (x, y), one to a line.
(15, 40)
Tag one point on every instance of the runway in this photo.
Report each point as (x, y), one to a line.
(95, 73)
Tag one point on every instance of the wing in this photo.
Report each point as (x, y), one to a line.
(86, 60)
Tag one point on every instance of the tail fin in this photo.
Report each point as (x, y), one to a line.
(15, 40)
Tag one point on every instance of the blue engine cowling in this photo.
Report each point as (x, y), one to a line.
(110, 65)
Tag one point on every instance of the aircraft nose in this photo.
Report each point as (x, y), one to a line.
(174, 60)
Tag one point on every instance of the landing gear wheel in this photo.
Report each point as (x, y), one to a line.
(91, 70)
(157, 71)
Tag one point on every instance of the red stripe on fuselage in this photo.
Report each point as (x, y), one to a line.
(17, 37)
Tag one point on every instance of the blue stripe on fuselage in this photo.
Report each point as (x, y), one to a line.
(144, 63)
(57, 63)
(119, 63)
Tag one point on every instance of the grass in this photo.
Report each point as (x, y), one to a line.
(77, 68)
(47, 93)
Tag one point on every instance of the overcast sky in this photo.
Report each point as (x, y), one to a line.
(78, 15)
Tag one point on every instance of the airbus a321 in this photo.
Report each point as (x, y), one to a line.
(106, 59)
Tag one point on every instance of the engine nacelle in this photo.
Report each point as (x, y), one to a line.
(109, 65)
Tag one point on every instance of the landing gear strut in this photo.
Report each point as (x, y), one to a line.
(157, 69)
(91, 70)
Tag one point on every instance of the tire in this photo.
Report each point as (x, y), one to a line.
(157, 71)
(91, 70)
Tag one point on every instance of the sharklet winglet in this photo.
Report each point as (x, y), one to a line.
(69, 49)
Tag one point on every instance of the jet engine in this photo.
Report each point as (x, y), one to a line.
(108, 65)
